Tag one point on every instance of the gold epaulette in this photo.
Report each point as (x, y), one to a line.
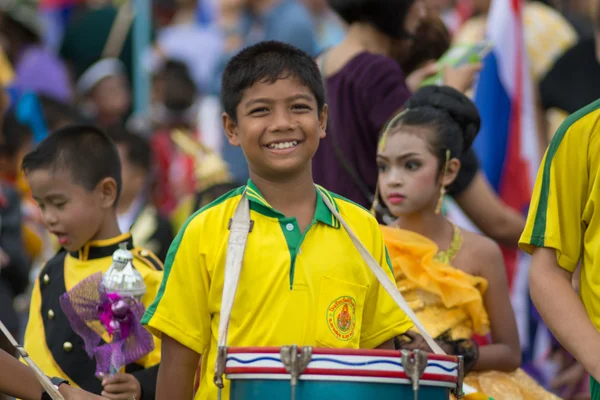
(210, 169)
(148, 258)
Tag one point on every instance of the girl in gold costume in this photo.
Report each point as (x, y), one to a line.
(454, 280)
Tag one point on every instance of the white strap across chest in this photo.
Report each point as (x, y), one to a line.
(238, 236)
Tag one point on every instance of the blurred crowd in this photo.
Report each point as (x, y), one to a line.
(68, 62)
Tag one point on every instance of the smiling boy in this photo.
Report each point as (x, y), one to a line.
(298, 262)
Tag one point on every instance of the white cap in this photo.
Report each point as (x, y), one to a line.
(102, 69)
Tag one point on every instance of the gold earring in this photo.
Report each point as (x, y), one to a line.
(438, 208)
(375, 201)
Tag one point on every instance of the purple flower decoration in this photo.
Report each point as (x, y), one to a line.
(92, 312)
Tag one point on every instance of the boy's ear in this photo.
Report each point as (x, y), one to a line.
(231, 130)
(323, 121)
(107, 190)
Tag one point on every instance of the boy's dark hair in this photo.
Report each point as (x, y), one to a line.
(13, 135)
(387, 16)
(137, 148)
(86, 152)
(268, 62)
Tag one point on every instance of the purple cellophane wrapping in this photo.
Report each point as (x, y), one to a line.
(84, 304)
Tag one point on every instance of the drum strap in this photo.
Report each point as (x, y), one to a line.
(240, 226)
(48, 386)
(383, 279)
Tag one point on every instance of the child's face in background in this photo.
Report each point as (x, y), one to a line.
(112, 98)
(132, 176)
(69, 211)
(278, 127)
(408, 172)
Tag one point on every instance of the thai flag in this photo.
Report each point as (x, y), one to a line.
(507, 144)
(509, 151)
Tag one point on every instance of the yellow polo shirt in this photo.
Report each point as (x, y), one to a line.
(310, 289)
(562, 214)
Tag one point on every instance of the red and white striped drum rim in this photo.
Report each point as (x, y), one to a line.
(339, 364)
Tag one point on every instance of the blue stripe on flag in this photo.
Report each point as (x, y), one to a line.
(494, 105)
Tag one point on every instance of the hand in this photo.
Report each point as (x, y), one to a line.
(416, 78)
(122, 387)
(570, 377)
(418, 343)
(71, 393)
(461, 78)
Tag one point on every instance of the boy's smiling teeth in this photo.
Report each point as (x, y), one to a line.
(283, 145)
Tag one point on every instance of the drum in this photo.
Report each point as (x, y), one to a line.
(340, 374)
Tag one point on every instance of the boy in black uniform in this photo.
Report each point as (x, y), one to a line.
(75, 177)
(136, 211)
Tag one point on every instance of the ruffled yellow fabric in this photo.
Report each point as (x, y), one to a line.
(453, 300)
(515, 385)
(447, 300)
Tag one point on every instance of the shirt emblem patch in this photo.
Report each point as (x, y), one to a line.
(341, 318)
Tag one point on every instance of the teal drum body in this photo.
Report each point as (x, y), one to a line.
(340, 374)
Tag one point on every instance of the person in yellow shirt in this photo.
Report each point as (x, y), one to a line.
(298, 261)
(75, 177)
(563, 232)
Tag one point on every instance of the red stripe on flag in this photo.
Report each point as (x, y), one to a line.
(516, 5)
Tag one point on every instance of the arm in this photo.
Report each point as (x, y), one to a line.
(504, 354)
(17, 380)
(389, 345)
(483, 206)
(177, 370)
(559, 305)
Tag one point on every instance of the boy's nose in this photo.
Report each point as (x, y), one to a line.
(49, 219)
(282, 121)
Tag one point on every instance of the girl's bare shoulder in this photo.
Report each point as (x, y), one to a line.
(480, 253)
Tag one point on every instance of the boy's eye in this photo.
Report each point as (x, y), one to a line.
(301, 107)
(259, 110)
(59, 204)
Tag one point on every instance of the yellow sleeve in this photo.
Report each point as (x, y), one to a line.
(180, 309)
(382, 318)
(559, 197)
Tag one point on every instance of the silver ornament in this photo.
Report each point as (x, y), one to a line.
(122, 277)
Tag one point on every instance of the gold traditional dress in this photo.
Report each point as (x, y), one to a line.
(450, 301)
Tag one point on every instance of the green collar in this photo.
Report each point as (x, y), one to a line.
(322, 213)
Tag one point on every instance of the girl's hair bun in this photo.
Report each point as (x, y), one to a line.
(458, 106)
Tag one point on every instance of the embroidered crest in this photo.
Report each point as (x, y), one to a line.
(341, 318)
